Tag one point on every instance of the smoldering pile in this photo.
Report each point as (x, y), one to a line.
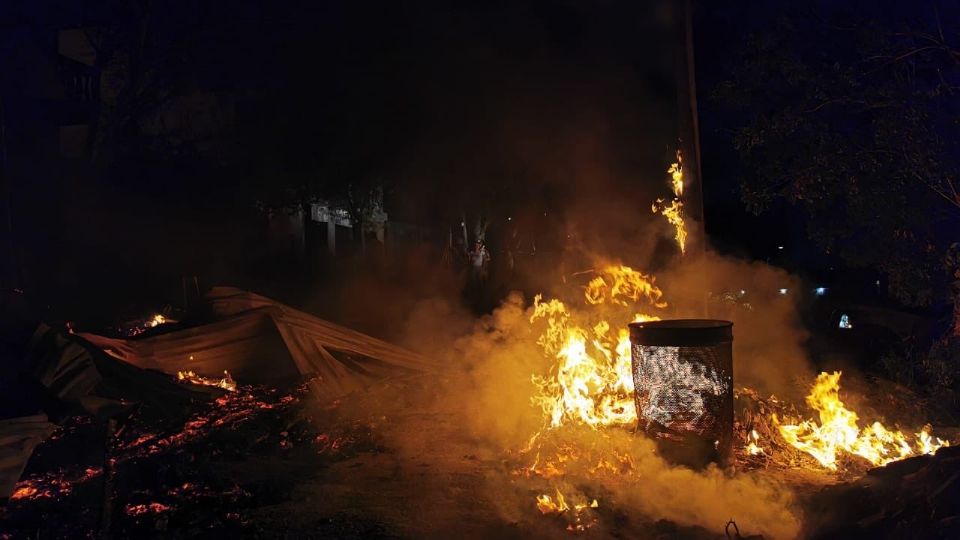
(165, 475)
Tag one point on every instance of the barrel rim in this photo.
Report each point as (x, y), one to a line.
(683, 323)
(681, 332)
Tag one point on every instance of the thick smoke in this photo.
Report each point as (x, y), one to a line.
(582, 149)
(487, 386)
(484, 387)
(761, 301)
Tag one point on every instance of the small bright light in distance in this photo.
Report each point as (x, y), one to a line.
(743, 292)
(780, 247)
(845, 322)
(509, 219)
(783, 291)
(821, 291)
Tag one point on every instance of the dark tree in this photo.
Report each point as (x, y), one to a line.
(852, 116)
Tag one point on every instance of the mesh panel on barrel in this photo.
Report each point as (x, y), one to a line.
(685, 394)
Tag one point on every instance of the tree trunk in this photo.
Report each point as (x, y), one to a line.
(952, 263)
(690, 135)
(956, 316)
(956, 306)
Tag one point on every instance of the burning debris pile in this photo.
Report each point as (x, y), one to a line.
(579, 456)
(839, 431)
(582, 461)
(774, 433)
(760, 442)
(215, 466)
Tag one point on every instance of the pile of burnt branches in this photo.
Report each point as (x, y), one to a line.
(157, 476)
(753, 423)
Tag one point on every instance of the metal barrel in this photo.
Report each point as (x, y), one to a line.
(683, 380)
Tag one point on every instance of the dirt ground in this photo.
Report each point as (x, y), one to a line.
(270, 464)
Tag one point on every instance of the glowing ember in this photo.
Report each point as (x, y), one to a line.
(753, 448)
(592, 382)
(839, 431)
(50, 485)
(24, 492)
(227, 382)
(142, 325)
(141, 509)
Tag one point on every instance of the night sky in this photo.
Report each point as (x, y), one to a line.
(514, 108)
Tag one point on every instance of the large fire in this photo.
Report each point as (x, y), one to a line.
(590, 385)
(839, 431)
(592, 382)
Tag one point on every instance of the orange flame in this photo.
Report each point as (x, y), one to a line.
(674, 211)
(23, 492)
(227, 382)
(592, 382)
(549, 505)
(839, 431)
(676, 175)
(620, 283)
(674, 214)
(753, 448)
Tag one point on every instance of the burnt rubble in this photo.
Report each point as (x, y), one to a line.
(914, 498)
(171, 477)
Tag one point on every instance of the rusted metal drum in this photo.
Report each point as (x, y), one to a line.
(683, 380)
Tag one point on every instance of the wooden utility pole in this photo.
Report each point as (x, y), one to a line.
(689, 128)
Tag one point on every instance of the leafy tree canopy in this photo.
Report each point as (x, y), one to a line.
(852, 115)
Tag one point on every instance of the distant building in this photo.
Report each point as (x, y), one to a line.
(332, 222)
